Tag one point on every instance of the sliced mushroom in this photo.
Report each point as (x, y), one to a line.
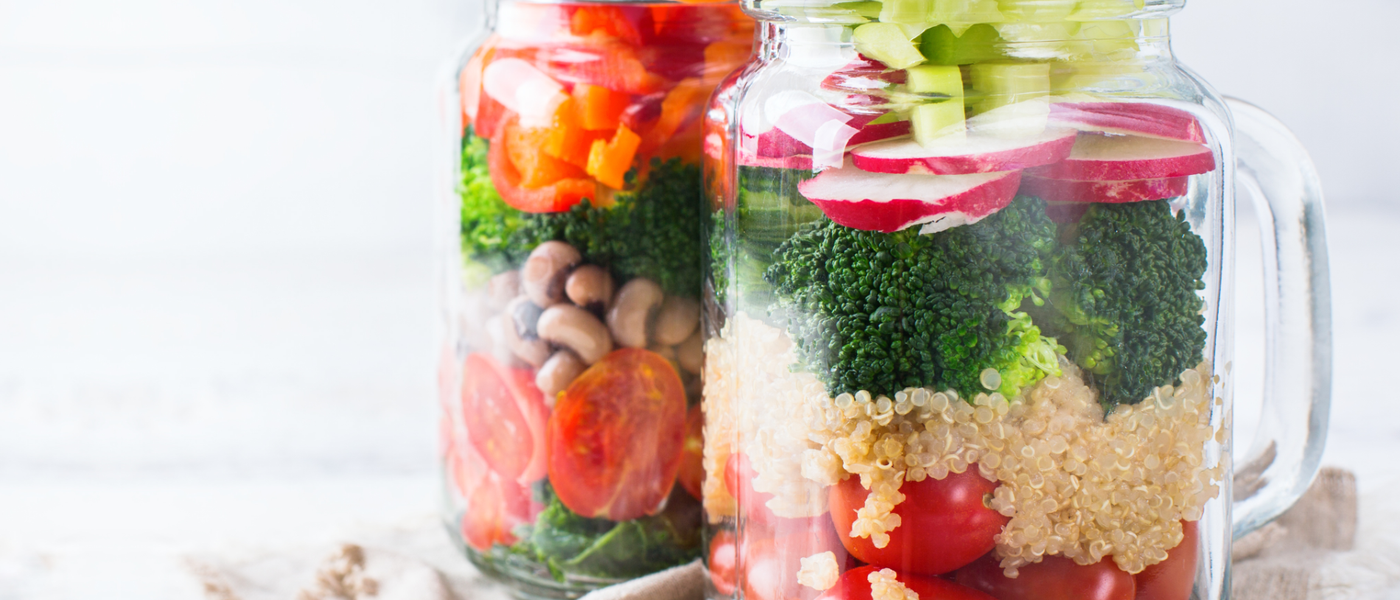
(690, 354)
(678, 318)
(631, 312)
(534, 352)
(590, 287)
(557, 373)
(524, 315)
(543, 276)
(576, 329)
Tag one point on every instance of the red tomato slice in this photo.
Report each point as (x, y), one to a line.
(1172, 579)
(723, 562)
(855, 585)
(505, 416)
(555, 197)
(692, 472)
(616, 436)
(1055, 578)
(944, 523)
(495, 508)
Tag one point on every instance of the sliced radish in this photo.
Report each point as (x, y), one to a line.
(524, 89)
(1121, 158)
(747, 157)
(960, 155)
(1061, 190)
(886, 202)
(1132, 118)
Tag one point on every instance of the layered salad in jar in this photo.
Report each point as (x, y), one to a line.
(962, 341)
(571, 395)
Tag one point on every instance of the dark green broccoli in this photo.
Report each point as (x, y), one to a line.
(1124, 297)
(651, 232)
(885, 311)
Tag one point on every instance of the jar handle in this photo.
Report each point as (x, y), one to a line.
(1287, 195)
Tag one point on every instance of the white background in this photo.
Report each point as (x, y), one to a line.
(216, 297)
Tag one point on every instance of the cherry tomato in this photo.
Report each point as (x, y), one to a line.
(617, 435)
(692, 472)
(771, 558)
(505, 416)
(723, 562)
(1172, 579)
(944, 523)
(855, 585)
(496, 507)
(1055, 578)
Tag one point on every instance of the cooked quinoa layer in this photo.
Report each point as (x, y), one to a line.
(1073, 482)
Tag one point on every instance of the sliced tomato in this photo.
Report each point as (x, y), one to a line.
(616, 436)
(555, 197)
(855, 585)
(944, 524)
(723, 562)
(692, 472)
(505, 416)
(1054, 578)
(495, 508)
(1172, 579)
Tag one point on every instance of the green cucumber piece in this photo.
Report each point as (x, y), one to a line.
(938, 120)
(962, 14)
(906, 11)
(999, 84)
(1110, 40)
(1092, 10)
(935, 79)
(980, 43)
(868, 9)
(1036, 11)
(887, 43)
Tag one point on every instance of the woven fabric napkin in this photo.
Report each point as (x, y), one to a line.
(1314, 552)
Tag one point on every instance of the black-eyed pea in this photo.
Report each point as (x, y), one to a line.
(557, 373)
(690, 354)
(676, 320)
(542, 278)
(590, 287)
(574, 328)
(631, 311)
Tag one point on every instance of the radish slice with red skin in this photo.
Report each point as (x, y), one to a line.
(1124, 158)
(888, 203)
(1129, 118)
(794, 161)
(958, 155)
(524, 89)
(1060, 190)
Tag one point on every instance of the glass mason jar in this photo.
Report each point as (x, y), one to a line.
(570, 378)
(970, 333)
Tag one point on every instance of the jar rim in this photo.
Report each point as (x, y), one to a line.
(812, 11)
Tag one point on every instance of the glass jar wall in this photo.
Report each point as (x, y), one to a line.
(969, 330)
(570, 384)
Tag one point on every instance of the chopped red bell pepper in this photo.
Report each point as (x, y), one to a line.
(555, 197)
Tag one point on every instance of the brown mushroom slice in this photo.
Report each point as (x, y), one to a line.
(678, 318)
(690, 354)
(576, 329)
(557, 373)
(631, 312)
(590, 287)
(545, 270)
(533, 352)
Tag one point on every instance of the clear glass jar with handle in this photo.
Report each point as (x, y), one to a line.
(570, 375)
(970, 330)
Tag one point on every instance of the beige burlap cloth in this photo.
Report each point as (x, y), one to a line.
(1316, 551)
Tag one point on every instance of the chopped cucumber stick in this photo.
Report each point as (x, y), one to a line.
(980, 43)
(962, 14)
(1091, 10)
(1043, 41)
(887, 43)
(936, 120)
(906, 11)
(1036, 11)
(1110, 40)
(868, 9)
(999, 84)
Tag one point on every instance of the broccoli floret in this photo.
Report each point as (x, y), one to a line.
(885, 311)
(653, 232)
(1124, 297)
(488, 223)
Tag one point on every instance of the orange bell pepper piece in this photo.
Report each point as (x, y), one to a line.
(568, 140)
(609, 161)
(681, 106)
(599, 107)
(555, 197)
(525, 146)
